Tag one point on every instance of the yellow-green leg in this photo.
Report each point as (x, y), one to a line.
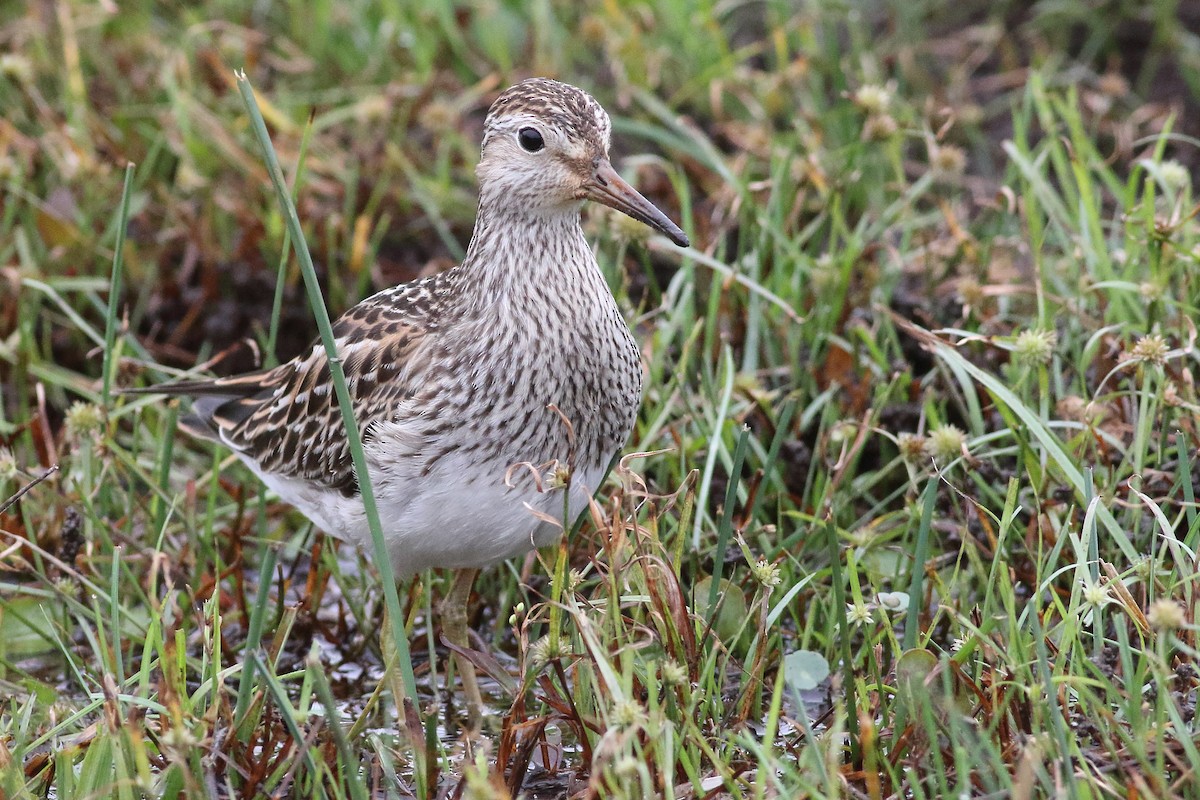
(453, 611)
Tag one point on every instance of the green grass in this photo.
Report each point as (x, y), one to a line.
(917, 513)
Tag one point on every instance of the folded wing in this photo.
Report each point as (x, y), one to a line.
(287, 420)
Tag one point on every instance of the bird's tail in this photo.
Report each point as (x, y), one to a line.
(210, 398)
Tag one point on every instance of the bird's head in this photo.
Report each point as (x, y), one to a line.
(545, 149)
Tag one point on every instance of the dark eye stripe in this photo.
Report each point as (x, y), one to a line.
(530, 140)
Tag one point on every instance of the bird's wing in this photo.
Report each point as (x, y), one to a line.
(287, 419)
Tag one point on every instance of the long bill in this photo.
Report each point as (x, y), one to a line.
(608, 188)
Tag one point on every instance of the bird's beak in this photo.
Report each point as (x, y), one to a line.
(607, 187)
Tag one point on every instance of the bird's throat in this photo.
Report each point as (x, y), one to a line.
(513, 253)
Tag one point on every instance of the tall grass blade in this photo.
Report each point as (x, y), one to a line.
(383, 561)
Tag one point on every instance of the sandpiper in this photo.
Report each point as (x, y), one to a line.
(517, 356)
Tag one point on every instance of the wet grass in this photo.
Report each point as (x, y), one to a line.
(914, 512)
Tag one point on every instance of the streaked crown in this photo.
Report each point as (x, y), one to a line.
(568, 109)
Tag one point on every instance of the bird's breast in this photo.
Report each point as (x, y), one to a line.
(537, 385)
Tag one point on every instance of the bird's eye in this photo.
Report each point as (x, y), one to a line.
(530, 140)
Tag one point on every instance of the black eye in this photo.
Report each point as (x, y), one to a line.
(530, 140)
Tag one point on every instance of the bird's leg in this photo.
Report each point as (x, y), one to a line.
(453, 611)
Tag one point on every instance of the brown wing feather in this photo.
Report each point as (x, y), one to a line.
(287, 418)
(293, 426)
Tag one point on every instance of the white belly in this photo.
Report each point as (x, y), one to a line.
(460, 515)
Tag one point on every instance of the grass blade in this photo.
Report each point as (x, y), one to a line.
(383, 561)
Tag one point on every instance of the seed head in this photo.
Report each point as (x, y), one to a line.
(946, 442)
(873, 99)
(1076, 408)
(1095, 595)
(628, 714)
(947, 161)
(1034, 347)
(859, 614)
(1151, 349)
(766, 573)
(912, 447)
(558, 476)
(970, 292)
(843, 431)
(879, 128)
(1171, 395)
(178, 738)
(1143, 568)
(1166, 615)
(574, 579)
(543, 651)
(1174, 175)
(539, 652)
(8, 466)
(825, 274)
(673, 673)
(1152, 291)
(84, 419)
